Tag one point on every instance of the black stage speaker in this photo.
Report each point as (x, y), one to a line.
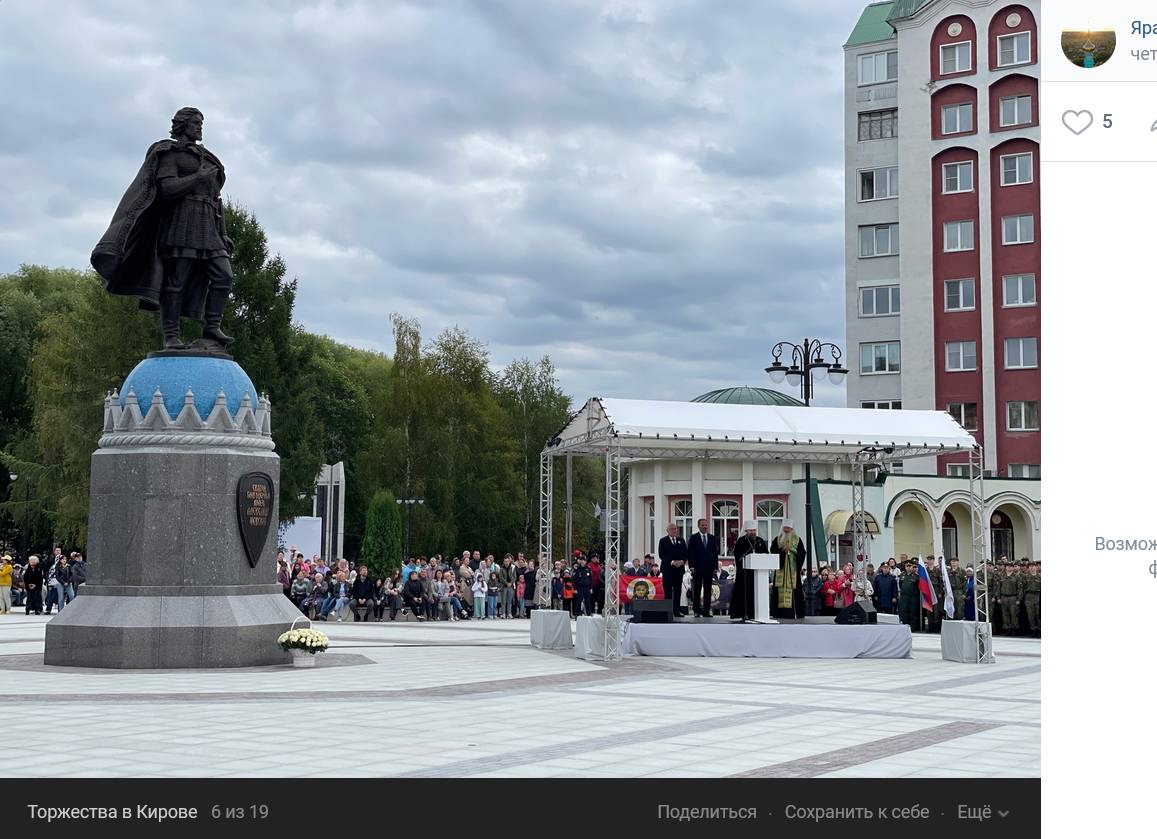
(856, 614)
(653, 611)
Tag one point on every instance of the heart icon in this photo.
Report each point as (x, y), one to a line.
(1077, 121)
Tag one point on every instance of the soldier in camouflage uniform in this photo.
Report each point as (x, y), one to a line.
(1011, 593)
(992, 571)
(958, 582)
(1032, 598)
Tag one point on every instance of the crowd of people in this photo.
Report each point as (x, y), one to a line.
(37, 585)
(477, 587)
(470, 587)
(1014, 592)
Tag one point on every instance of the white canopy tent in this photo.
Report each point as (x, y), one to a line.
(634, 429)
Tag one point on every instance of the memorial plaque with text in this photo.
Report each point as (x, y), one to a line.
(255, 513)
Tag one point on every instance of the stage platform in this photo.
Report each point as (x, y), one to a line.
(721, 637)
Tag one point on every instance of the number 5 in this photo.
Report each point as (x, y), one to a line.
(1108, 123)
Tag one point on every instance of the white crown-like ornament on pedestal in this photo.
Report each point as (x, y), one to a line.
(128, 426)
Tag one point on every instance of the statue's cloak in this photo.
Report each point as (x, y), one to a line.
(126, 255)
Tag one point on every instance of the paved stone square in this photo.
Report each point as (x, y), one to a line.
(475, 699)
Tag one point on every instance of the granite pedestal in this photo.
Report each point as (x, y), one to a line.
(171, 583)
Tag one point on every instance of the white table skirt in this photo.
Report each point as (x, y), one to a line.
(768, 641)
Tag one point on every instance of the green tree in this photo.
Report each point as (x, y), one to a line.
(382, 547)
(84, 350)
(536, 408)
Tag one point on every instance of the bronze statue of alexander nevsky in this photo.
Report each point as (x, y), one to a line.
(167, 244)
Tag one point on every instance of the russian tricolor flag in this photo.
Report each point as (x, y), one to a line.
(927, 593)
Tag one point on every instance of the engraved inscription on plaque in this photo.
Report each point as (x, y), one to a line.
(254, 513)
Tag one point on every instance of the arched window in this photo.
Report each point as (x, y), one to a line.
(769, 518)
(725, 524)
(682, 517)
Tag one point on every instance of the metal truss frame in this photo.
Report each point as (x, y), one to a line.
(984, 652)
(545, 522)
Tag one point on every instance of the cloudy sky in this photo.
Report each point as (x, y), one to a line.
(649, 191)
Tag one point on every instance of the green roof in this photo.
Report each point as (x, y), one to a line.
(873, 24)
(906, 8)
(748, 396)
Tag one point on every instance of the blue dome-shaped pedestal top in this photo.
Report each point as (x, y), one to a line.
(176, 374)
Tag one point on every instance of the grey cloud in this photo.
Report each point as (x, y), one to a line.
(649, 192)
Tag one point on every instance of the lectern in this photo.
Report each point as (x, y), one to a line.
(761, 564)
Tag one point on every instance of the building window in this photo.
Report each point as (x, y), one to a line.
(960, 356)
(1016, 169)
(878, 125)
(965, 414)
(1020, 290)
(955, 58)
(880, 358)
(769, 518)
(882, 405)
(1020, 353)
(959, 295)
(1023, 416)
(958, 236)
(958, 177)
(681, 515)
(879, 183)
(1024, 470)
(956, 470)
(956, 119)
(725, 524)
(879, 301)
(1014, 49)
(649, 526)
(1017, 230)
(1015, 110)
(879, 67)
(879, 240)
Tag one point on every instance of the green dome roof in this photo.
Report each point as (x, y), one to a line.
(748, 396)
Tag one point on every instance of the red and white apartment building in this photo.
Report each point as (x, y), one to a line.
(943, 223)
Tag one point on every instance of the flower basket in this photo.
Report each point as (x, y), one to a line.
(303, 644)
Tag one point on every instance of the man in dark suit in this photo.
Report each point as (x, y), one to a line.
(703, 552)
(672, 563)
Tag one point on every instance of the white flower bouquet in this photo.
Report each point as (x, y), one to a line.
(307, 640)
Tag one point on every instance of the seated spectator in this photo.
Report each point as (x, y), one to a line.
(299, 591)
(362, 596)
(338, 599)
(429, 599)
(442, 596)
(393, 594)
(317, 596)
(456, 610)
(414, 596)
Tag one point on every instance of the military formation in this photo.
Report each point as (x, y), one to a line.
(1014, 595)
(1013, 590)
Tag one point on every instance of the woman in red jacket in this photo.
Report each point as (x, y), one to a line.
(845, 588)
(829, 590)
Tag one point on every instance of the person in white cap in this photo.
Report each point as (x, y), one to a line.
(743, 593)
(788, 600)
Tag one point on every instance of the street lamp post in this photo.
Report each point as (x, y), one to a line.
(807, 359)
(409, 501)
